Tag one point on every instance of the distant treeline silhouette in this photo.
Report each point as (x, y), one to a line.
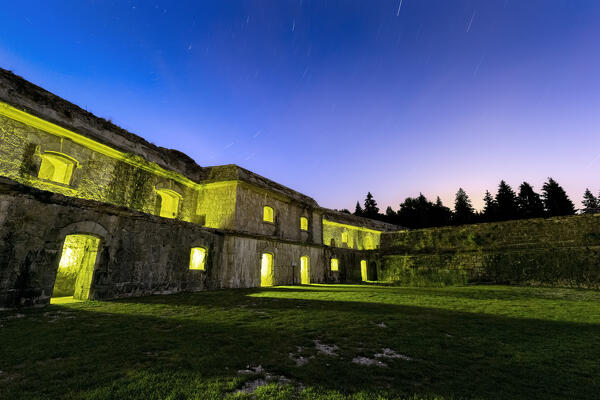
(419, 212)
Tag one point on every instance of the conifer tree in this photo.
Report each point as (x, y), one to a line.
(391, 216)
(463, 210)
(415, 212)
(529, 202)
(556, 200)
(371, 210)
(590, 202)
(490, 209)
(440, 214)
(506, 199)
(358, 210)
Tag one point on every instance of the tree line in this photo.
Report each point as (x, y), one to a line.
(506, 204)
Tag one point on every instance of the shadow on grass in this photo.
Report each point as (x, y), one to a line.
(195, 343)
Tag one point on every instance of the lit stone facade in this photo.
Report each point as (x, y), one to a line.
(90, 210)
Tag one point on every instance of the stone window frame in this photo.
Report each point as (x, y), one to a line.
(205, 256)
(302, 219)
(72, 162)
(334, 264)
(264, 216)
(163, 191)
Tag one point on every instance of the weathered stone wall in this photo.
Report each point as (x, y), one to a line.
(360, 233)
(562, 251)
(139, 254)
(357, 238)
(349, 264)
(287, 212)
(217, 205)
(97, 176)
(241, 261)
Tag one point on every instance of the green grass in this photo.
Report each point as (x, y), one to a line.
(476, 342)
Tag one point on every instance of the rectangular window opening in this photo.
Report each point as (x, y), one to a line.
(198, 258)
(334, 264)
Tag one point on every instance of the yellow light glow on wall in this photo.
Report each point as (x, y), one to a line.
(59, 131)
(169, 204)
(304, 223)
(197, 258)
(76, 267)
(305, 270)
(363, 270)
(267, 214)
(334, 264)
(354, 237)
(266, 270)
(57, 167)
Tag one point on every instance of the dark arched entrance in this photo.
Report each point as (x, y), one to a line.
(372, 272)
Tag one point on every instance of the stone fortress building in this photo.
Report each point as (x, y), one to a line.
(90, 210)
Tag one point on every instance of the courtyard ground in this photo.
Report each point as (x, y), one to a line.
(313, 342)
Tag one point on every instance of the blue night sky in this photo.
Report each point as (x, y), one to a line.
(336, 98)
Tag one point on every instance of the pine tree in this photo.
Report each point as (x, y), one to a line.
(358, 210)
(414, 212)
(490, 209)
(391, 216)
(371, 209)
(506, 199)
(529, 202)
(590, 202)
(440, 214)
(556, 200)
(463, 210)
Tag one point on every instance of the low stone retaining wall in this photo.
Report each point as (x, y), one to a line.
(561, 251)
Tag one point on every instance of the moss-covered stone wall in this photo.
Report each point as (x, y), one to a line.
(286, 223)
(341, 235)
(137, 254)
(96, 176)
(562, 251)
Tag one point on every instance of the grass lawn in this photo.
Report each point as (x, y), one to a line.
(309, 342)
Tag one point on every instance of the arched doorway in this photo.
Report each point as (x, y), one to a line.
(363, 270)
(305, 270)
(76, 268)
(266, 270)
(372, 273)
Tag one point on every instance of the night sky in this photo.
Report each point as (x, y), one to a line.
(336, 98)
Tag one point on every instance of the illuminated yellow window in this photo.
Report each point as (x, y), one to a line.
(304, 223)
(304, 270)
(266, 270)
(267, 214)
(57, 167)
(345, 237)
(363, 270)
(198, 258)
(169, 203)
(334, 264)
